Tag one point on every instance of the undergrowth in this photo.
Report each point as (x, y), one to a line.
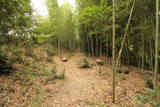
(26, 68)
(150, 96)
(84, 63)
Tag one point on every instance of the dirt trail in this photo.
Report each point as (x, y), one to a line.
(80, 87)
(86, 88)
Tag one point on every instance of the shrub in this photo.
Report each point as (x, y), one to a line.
(5, 66)
(84, 63)
(148, 81)
(123, 71)
(150, 96)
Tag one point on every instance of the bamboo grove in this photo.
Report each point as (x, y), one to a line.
(95, 28)
(90, 28)
(125, 31)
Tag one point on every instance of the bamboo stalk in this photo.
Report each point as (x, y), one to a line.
(156, 45)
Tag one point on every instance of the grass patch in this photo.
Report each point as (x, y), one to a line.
(53, 75)
(37, 101)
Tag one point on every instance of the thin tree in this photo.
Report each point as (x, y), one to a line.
(125, 35)
(156, 45)
(113, 53)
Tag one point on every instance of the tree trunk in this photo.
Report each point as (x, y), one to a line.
(125, 35)
(59, 45)
(92, 46)
(100, 51)
(151, 56)
(142, 50)
(113, 53)
(96, 45)
(107, 47)
(156, 45)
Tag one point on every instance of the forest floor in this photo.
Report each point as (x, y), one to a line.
(86, 87)
(81, 87)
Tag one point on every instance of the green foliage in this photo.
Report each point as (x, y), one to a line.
(151, 96)
(15, 15)
(60, 26)
(95, 29)
(60, 76)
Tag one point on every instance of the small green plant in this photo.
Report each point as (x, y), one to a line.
(84, 63)
(53, 74)
(60, 76)
(150, 96)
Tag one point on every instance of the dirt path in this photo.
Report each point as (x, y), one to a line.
(81, 87)
(86, 88)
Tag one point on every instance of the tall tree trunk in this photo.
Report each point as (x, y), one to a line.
(100, 51)
(126, 31)
(107, 47)
(156, 44)
(88, 45)
(87, 35)
(92, 46)
(151, 56)
(59, 44)
(142, 50)
(96, 45)
(113, 53)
